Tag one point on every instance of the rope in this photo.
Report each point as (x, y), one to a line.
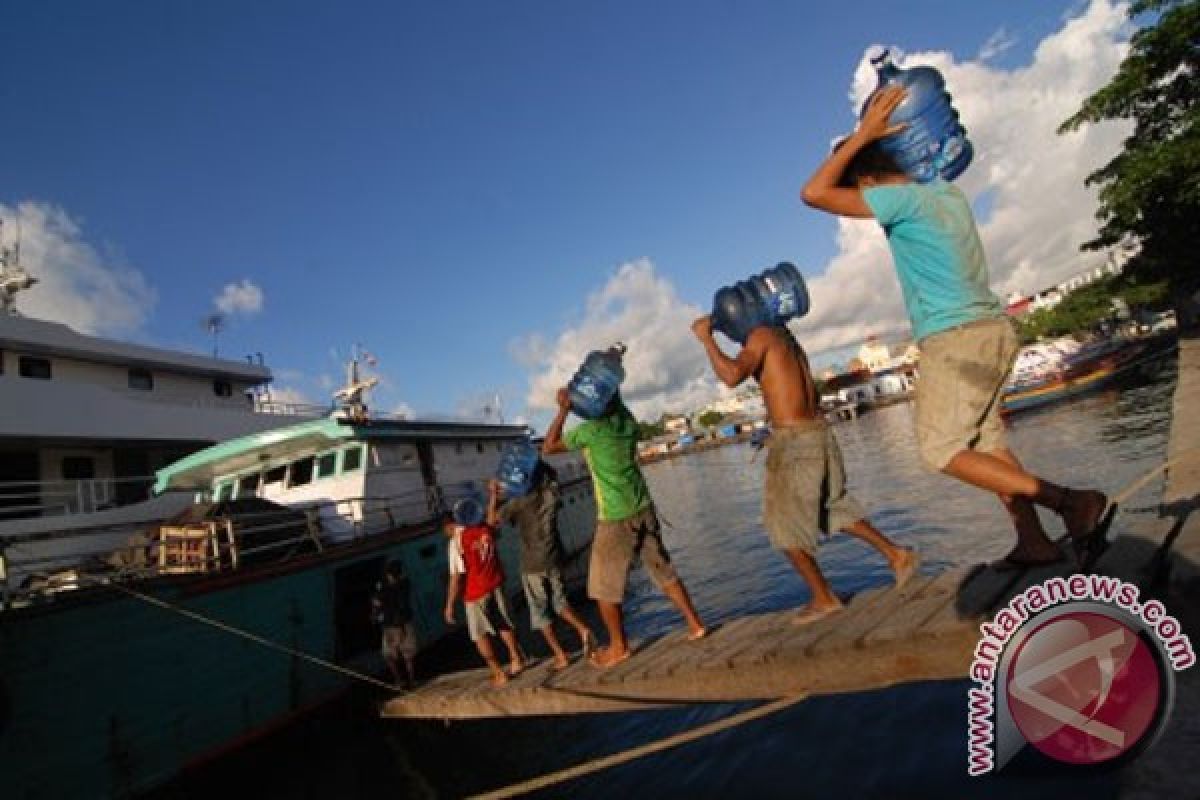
(1133, 488)
(616, 759)
(272, 645)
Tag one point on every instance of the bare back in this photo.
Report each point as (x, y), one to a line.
(784, 376)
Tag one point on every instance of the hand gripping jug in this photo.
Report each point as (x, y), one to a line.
(935, 142)
(517, 468)
(770, 298)
(596, 382)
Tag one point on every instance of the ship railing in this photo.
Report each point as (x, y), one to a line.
(36, 566)
(24, 499)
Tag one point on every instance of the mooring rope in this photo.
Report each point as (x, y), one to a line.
(633, 753)
(253, 637)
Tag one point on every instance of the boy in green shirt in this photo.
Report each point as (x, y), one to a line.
(627, 526)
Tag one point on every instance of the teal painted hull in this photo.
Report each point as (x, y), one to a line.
(104, 695)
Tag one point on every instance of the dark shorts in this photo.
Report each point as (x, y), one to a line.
(616, 546)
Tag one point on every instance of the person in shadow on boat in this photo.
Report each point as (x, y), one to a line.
(805, 490)
(627, 526)
(967, 344)
(535, 516)
(476, 573)
(391, 610)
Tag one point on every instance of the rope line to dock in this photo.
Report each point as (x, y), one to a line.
(633, 753)
(253, 637)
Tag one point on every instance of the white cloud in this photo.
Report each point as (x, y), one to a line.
(997, 44)
(666, 367)
(404, 410)
(243, 297)
(1040, 210)
(76, 285)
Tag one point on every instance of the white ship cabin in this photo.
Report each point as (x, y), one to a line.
(360, 477)
(86, 421)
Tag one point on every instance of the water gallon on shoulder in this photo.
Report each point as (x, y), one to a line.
(769, 298)
(935, 142)
(517, 468)
(596, 382)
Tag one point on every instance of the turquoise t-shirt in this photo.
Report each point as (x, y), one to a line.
(939, 258)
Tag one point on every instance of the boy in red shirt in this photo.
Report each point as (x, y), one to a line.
(475, 568)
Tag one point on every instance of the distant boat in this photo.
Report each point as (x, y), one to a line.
(1049, 372)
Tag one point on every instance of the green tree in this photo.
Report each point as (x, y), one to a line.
(1150, 192)
(710, 418)
(649, 430)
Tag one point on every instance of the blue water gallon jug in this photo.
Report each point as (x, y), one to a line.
(596, 382)
(518, 467)
(935, 142)
(769, 298)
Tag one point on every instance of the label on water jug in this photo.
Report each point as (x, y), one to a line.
(783, 304)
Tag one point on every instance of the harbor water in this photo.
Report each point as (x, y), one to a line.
(907, 741)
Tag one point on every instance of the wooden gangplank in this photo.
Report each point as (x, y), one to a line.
(924, 630)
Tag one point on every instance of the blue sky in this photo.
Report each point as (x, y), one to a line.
(437, 180)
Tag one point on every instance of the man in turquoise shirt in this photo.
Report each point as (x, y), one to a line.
(967, 344)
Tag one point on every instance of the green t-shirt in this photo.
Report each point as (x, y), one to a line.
(610, 446)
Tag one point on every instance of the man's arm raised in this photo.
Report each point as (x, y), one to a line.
(731, 371)
(554, 441)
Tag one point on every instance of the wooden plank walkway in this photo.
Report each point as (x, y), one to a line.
(925, 630)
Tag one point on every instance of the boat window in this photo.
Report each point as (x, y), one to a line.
(34, 367)
(248, 485)
(222, 388)
(351, 459)
(479, 447)
(302, 472)
(274, 475)
(326, 465)
(225, 492)
(141, 379)
(78, 468)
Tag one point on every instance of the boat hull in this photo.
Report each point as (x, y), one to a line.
(103, 694)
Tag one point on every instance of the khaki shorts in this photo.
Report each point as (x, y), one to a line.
(805, 490)
(616, 546)
(488, 615)
(399, 641)
(545, 595)
(958, 394)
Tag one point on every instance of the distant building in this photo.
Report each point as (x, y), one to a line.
(874, 354)
(677, 424)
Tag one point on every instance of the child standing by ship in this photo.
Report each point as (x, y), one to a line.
(967, 344)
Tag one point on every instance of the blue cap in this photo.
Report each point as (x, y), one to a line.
(468, 511)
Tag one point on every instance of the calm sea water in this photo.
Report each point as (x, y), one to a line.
(897, 743)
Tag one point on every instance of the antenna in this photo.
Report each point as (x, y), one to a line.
(214, 323)
(13, 277)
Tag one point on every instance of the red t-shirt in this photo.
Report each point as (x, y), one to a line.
(476, 556)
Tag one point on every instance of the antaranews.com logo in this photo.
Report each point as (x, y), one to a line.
(1078, 668)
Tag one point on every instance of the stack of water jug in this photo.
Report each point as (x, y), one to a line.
(934, 143)
(770, 298)
(518, 468)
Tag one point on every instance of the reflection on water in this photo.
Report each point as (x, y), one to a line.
(902, 742)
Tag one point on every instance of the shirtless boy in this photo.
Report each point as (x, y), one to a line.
(805, 490)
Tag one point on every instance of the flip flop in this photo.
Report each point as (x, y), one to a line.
(611, 664)
(1007, 564)
(1089, 547)
(696, 636)
(910, 569)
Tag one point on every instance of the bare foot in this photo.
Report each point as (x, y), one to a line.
(499, 678)
(906, 564)
(515, 668)
(607, 657)
(811, 613)
(695, 634)
(559, 664)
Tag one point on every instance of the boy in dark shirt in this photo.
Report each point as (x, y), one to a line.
(536, 518)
